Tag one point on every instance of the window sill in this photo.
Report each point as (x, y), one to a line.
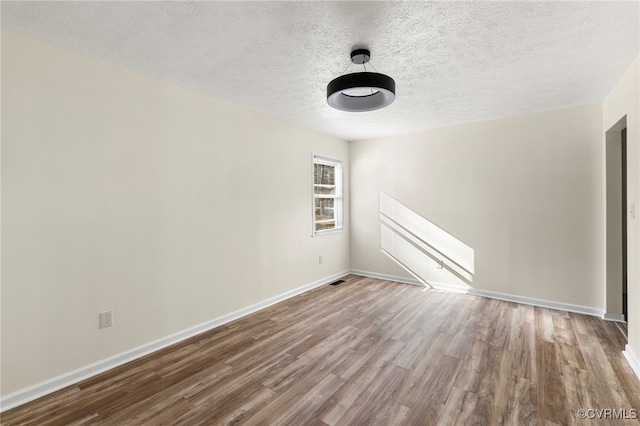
(328, 232)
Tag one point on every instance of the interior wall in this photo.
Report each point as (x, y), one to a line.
(624, 100)
(524, 193)
(123, 192)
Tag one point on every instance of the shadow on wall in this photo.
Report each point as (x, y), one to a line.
(435, 257)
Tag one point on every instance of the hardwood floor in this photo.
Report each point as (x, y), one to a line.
(367, 352)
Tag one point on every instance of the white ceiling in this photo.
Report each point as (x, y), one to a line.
(453, 62)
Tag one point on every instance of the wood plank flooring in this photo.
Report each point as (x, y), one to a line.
(367, 352)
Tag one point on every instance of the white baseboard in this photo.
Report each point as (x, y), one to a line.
(43, 388)
(614, 317)
(550, 304)
(491, 294)
(449, 287)
(633, 359)
(386, 277)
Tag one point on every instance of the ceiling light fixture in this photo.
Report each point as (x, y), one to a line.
(361, 91)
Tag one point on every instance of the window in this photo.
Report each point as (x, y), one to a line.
(327, 195)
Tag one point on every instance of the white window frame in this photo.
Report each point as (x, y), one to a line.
(338, 196)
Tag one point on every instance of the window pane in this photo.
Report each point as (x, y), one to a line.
(324, 189)
(325, 225)
(325, 213)
(324, 174)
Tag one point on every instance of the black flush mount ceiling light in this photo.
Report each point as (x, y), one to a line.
(361, 91)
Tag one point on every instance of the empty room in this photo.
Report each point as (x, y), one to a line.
(320, 213)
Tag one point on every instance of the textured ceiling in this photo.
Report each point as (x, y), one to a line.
(453, 62)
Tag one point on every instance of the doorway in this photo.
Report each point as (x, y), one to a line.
(623, 159)
(616, 221)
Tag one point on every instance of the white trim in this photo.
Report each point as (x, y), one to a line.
(614, 317)
(633, 359)
(328, 232)
(491, 294)
(38, 390)
(386, 277)
(338, 197)
(449, 287)
(542, 303)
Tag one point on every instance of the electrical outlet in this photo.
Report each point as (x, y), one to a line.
(319, 260)
(106, 319)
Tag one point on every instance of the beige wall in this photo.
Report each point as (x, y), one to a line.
(524, 193)
(624, 100)
(123, 192)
